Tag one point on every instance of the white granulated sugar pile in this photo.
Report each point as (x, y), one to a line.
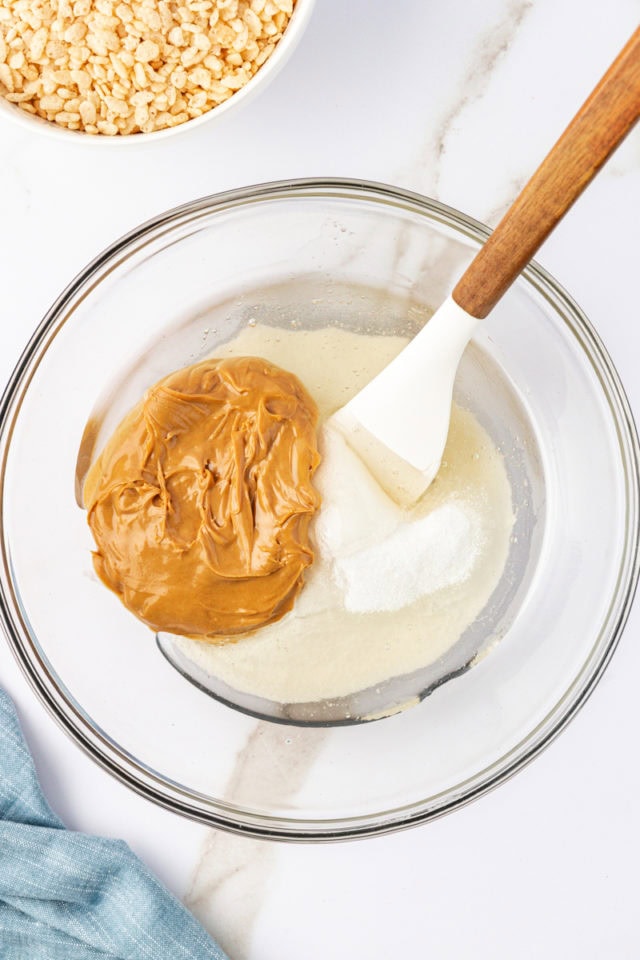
(382, 558)
(420, 557)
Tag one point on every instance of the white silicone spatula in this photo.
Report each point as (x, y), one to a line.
(398, 423)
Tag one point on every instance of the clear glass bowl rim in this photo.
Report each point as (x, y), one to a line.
(97, 744)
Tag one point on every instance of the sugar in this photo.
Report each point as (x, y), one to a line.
(382, 557)
(419, 558)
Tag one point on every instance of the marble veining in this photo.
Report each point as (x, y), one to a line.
(228, 887)
(491, 45)
(230, 880)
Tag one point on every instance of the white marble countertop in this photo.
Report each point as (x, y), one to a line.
(459, 100)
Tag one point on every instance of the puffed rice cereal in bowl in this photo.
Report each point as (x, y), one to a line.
(115, 67)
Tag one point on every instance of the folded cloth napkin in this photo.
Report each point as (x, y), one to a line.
(69, 896)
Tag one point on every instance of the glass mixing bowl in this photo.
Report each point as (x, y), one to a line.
(370, 258)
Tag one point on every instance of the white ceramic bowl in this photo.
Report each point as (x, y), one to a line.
(265, 74)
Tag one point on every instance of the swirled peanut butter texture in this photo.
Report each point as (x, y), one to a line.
(201, 501)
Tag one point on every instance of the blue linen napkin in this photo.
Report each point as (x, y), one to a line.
(69, 896)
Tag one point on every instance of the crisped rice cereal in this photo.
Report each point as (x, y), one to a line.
(129, 66)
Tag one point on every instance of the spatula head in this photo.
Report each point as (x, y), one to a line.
(403, 482)
(398, 423)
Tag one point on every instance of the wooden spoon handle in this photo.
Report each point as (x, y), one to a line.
(594, 133)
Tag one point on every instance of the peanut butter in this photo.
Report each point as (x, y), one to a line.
(201, 501)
